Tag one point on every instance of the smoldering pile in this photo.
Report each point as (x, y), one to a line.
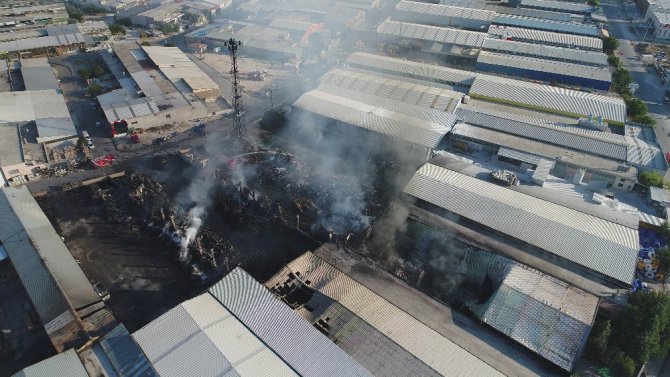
(142, 203)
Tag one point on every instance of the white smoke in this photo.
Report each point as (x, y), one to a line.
(195, 220)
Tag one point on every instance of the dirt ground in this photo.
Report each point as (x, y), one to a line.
(221, 63)
(23, 340)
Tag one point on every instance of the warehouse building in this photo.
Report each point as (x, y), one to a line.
(262, 42)
(66, 303)
(601, 248)
(546, 38)
(237, 328)
(547, 316)
(549, 71)
(443, 15)
(535, 13)
(380, 336)
(40, 46)
(162, 85)
(164, 14)
(549, 99)
(31, 16)
(382, 120)
(547, 25)
(392, 87)
(431, 34)
(560, 54)
(660, 21)
(558, 6)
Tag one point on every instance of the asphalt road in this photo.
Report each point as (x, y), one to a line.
(651, 91)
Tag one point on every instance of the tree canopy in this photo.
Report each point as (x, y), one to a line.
(610, 44)
(651, 178)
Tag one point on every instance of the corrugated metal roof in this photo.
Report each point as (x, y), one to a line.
(547, 25)
(63, 364)
(295, 340)
(545, 37)
(445, 11)
(560, 6)
(536, 13)
(42, 42)
(31, 241)
(387, 87)
(374, 118)
(592, 142)
(432, 33)
(381, 336)
(202, 338)
(588, 241)
(519, 155)
(278, 23)
(659, 194)
(125, 355)
(551, 98)
(643, 153)
(421, 71)
(545, 65)
(551, 318)
(550, 52)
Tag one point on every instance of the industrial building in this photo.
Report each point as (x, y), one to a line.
(546, 38)
(262, 42)
(394, 88)
(535, 13)
(601, 248)
(164, 14)
(566, 102)
(558, 6)
(550, 99)
(547, 25)
(560, 54)
(39, 46)
(32, 121)
(546, 70)
(380, 336)
(66, 302)
(446, 36)
(443, 15)
(31, 16)
(422, 129)
(660, 21)
(237, 328)
(162, 85)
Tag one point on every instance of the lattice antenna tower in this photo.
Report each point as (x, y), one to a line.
(238, 108)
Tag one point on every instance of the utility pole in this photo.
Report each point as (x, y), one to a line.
(238, 109)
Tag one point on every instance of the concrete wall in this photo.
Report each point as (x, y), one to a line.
(170, 116)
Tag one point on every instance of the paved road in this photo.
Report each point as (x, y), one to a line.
(651, 90)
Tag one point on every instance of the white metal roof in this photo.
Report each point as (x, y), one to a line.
(551, 318)
(294, 340)
(546, 37)
(421, 71)
(588, 241)
(200, 337)
(42, 42)
(549, 52)
(177, 66)
(560, 6)
(482, 15)
(374, 118)
(432, 33)
(392, 88)
(546, 65)
(27, 106)
(536, 13)
(381, 336)
(548, 25)
(43, 262)
(553, 99)
(590, 141)
(64, 364)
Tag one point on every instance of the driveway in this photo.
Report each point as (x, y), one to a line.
(651, 91)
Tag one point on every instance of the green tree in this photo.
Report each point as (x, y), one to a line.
(651, 178)
(95, 88)
(623, 365)
(598, 342)
(610, 44)
(642, 327)
(614, 60)
(663, 255)
(170, 28)
(98, 71)
(117, 29)
(594, 3)
(125, 21)
(85, 73)
(645, 119)
(145, 43)
(170, 44)
(636, 107)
